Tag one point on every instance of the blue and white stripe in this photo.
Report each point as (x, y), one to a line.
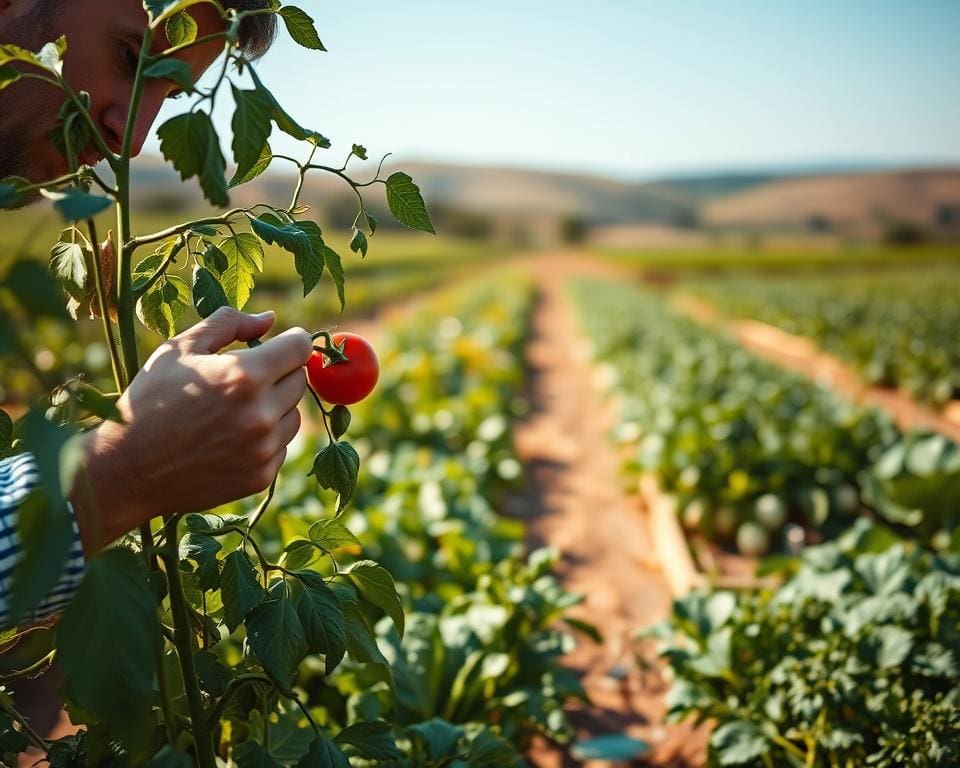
(19, 476)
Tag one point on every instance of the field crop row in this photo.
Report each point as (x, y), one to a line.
(898, 330)
(476, 672)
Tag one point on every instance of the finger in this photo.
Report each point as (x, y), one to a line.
(277, 461)
(287, 392)
(224, 327)
(284, 353)
(288, 426)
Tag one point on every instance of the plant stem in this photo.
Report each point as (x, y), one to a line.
(262, 508)
(184, 642)
(163, 234)
(31, 734)
(119, 376)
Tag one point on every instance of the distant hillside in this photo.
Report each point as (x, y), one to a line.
(492, 199)
(859, 203)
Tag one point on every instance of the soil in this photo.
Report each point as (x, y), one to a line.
(576, 503)
(802, 355)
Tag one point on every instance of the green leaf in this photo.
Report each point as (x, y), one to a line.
(162, 306)
(181, 29)
(169, 757)
(361, 639)
(208, 294)
(276, 638)
(331, 260)
(35, 289)
(75, 204)
(212, 673)
(375, 585)
(336, 467)
(360, 151)
(286, 123)
(359, 243)
(309, 265)
(373, 740)
(92, 401)
(331, 534)
(339, 420)
(893, 645)
(614, 748)
(300, 27)
(175, 70)
(43, 520)
(240, 588)
(11, 195)
(439, 737)
(244, 258)
(263, 162)
(249, 754)
(190, 143)
(323, 754)
(251, 128)
(321, 616)
(406, 204)
(202, 549)
(8, 75)
(68, 263)
(114, 609)
(738, 742)
(6, 434)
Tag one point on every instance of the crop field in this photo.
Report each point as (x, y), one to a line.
(838, 648)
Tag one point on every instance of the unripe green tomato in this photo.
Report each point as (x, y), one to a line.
(770, 512)
(752, 539)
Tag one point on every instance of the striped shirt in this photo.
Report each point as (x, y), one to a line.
(19, 476)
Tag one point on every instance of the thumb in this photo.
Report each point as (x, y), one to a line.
(224, 327)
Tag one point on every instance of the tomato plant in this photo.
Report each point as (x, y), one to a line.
(344, 381)
(167, 598)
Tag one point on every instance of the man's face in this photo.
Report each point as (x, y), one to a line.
(103, 43)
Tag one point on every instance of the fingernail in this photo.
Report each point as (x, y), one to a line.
(263, 315)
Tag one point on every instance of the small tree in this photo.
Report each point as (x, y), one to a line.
(129, 644)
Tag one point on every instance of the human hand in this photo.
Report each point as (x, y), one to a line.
(201, 428)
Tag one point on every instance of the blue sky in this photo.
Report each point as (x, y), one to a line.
(629, 87)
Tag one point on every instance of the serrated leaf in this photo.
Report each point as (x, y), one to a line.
(75, 204)
(162, 306)
(323, 754)
(208, 294)
(114, 609)
(359, 243)
(285, 122)
(336, 467)
(240, 588)
(738, 742)
(244, 258)
(68, 263)
(190, 143)
(321, 616)
(309, 265)
(373, 740)
(331, 534)
(263, 162)
(360, 151)
(276, 637)
(300, 27)
(406, 203)
(175, 70)
(375, 585)
(202, 549)
(251, 128)
(249, 754)
(339, 420)
(331, 260)
(181, 28)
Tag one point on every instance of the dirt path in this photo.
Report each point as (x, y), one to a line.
(576, 504)
(800, 354)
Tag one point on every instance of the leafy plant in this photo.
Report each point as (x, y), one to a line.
(164, 599)
(852, 662)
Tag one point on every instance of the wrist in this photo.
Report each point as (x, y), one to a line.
(104, 497)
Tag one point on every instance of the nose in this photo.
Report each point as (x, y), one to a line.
(114, 121)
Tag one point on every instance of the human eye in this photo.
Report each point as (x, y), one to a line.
(128, 58)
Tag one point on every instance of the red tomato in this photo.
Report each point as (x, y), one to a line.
(349, 382)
